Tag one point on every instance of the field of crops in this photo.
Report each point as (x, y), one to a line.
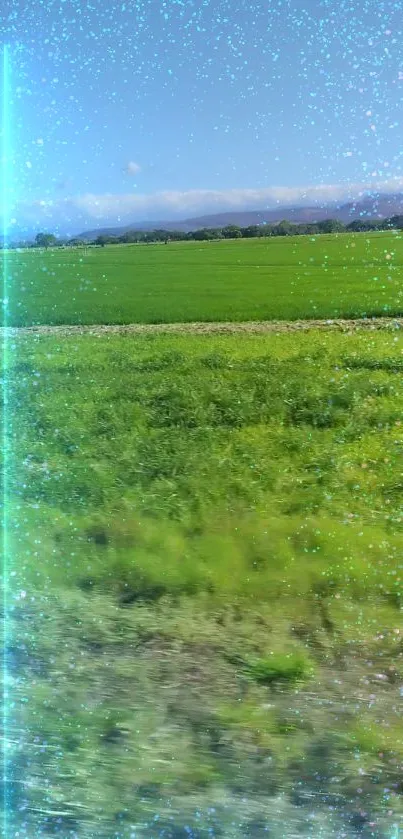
(206, 538)
(350, 275)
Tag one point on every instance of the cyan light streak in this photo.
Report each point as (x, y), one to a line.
(5, 569)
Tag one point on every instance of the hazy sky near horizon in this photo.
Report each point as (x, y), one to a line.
(128, 110)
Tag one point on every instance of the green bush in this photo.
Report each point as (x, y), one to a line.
(280, 667)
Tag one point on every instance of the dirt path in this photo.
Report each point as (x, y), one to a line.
(339, 324)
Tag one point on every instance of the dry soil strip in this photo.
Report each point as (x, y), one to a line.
(250, 327)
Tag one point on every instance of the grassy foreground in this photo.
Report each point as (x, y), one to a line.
(346, 275)
(206, 538)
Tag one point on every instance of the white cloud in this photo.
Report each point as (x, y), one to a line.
(132, 168)
(201, 201)
(109, 208)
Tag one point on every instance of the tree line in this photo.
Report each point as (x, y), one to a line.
(231, 231)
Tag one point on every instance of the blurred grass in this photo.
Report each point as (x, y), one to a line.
(206, 539)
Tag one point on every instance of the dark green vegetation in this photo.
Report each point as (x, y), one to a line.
(206, 538)
(347, 275)
(231, 231)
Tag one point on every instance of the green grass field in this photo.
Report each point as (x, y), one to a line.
(206, 538)
(280, 278)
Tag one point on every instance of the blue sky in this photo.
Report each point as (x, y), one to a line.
(168, 108)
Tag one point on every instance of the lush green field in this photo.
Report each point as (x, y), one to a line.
(206, 540)
(280, 278)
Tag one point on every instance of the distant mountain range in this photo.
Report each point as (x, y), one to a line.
(368, 206)
(374, 207)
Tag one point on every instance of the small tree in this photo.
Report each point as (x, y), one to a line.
(45, 240)
(284, 228)
(330, 225)
(396, 222)
(232, 231)
(251, 232)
